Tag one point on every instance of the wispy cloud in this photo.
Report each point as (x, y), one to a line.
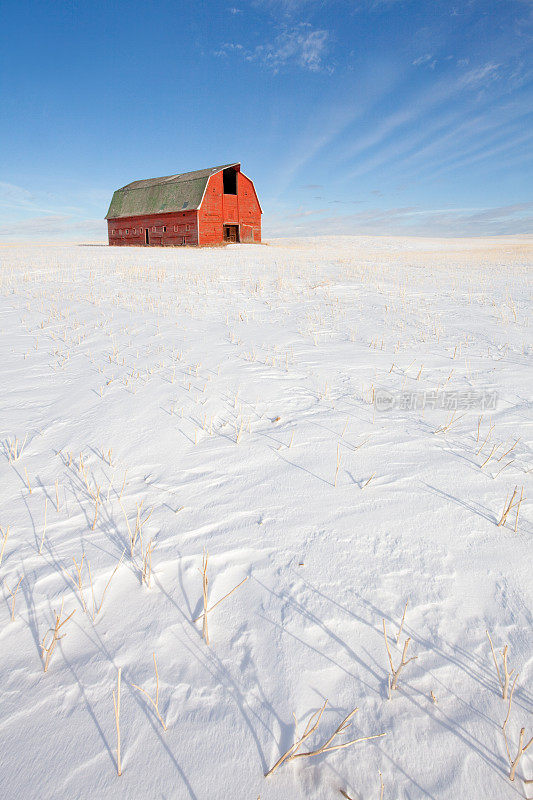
(487, 73)
(301, 214)
(287, 6)
(376, 5)
(54, 227)
(411, 221)
(426, 60)
(442, 122)
(17, 200)
(45, 216)
(300, 45)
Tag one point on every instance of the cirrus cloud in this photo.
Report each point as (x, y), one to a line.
(300, 45)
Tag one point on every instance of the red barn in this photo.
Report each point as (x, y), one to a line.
(206, 207)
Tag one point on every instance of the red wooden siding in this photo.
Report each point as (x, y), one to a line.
(219, 209)
(132, 230)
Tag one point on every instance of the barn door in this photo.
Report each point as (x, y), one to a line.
(231, 233)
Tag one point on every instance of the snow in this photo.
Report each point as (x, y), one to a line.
(228, 384)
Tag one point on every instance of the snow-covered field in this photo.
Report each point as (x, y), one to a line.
(278, 406)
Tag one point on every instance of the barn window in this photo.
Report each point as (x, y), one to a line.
(127, 231)
(183, 239)
(229, 179)
(187, 227)
(164, 228)
(112, 231)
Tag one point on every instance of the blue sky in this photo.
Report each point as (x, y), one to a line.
(351, 116)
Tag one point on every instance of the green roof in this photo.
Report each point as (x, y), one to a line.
(159, 195)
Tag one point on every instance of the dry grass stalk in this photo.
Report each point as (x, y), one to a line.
(27, 479)
(478, 427)
(314, 720)
(395, 673)
(494, 448)
(44, 526)
(97, 609)
(146, 574)
(362, 443)
(518, 509)
(139, 522)
(508, 451)
(155, 702)
(79, 583)
(85, 478)
(4, 541)
(504, 467)
(110, 484)
(123, 484)
(13, 594)
(55, 636)
(487, 437)
(96, 499)
(434, 698)
(520, 752)
(205, 584)
(504, 682)
(15, 448)
(447, 425)
(129, 528)
(402, 622)
(368, 481)
(381, 787)
(338, 465)
(116, 703)
(447, 379)
(508, 507)
(506, 720)
(57, 496)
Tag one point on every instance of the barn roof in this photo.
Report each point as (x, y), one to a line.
(157, 195)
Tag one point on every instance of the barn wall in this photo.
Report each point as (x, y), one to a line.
(249, 210)
(210, 217)
(186, 223)
(218, 209)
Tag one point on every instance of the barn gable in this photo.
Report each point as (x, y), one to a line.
(171, 193)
